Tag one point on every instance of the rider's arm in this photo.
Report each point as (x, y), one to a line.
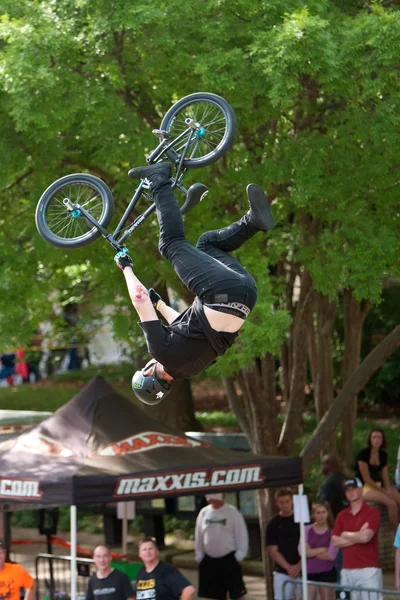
(169, 314)
(139, 296)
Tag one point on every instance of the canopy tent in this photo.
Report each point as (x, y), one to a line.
(100, 447)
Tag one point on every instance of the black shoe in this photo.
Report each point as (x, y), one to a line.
(260, 212)
(160, 171)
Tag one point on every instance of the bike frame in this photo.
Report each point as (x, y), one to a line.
(117, 239)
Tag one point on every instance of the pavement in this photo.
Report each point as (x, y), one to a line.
(25, 554)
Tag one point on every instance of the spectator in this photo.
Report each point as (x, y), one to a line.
(371, 467)
(158, 580)
(282, 539)
(356, 532)
(397, 560)
(397, 475)
(107, 582)
(13, 578)
(331, 489)
(320, 551)
(221, 543)
(7, 367)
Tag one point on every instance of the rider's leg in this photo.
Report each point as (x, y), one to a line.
(221, 242)
(201, 272)
(230, 238)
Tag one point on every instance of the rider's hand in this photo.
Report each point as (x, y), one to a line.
(123, 260)
(155, 298)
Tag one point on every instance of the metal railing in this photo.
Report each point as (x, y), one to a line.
(53, 576)
(335, 591)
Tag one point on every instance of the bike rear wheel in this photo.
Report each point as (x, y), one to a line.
(58, 225)
(214, 137)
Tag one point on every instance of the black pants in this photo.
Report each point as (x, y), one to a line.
(208, 270)
(219, 577)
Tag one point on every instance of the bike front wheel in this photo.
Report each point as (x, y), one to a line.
(61, 227)
(216, 125)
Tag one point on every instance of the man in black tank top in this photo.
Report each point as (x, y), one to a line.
(225, 292)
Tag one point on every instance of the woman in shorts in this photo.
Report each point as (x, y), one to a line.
(372, 468)
(320, 552)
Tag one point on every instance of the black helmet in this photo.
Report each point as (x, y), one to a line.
(147, 387)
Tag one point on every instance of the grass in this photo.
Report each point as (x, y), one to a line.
(217, 418)
(50, 394)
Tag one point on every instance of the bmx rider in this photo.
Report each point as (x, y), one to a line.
(225, 292)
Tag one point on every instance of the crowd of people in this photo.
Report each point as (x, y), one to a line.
(342, 540)
(344, 550)
(340, 545)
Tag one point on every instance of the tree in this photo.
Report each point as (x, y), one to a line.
(82, 85)
(314, 89)
(354, 384)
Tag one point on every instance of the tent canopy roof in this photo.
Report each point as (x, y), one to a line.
(100, 447)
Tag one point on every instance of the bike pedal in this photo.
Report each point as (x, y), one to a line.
(162, 134)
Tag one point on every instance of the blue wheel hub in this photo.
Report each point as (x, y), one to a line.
(200, 133)
(76, 213)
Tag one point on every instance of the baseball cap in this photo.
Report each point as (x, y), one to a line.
(354, 482)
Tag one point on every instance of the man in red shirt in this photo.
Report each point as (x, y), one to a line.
(356, 532)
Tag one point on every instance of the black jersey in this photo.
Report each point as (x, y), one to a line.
(188, 345)
(116, 586)
(164, 582)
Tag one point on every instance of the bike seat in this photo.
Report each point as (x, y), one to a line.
(195, 194)
(162, 134)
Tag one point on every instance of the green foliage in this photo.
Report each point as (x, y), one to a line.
(217, 418)
(314, 87)
(178, 527)
(86, 521)
(360, 438)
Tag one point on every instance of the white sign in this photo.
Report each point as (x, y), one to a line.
(126, 510)
(305, 511)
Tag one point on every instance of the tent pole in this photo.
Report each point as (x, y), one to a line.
(73, 552)
(125, 530)
(302, 546)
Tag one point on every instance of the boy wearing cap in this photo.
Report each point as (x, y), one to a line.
(13, 578)
(221, 543)
(356, 532)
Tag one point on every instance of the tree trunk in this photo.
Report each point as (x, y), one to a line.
(261, 408)
(259, 394)
(352, 387)
(294, 409)
(177, 411)
(288, 273)
(354, 318)
(264, 505)
(320, 350)
(236, 404)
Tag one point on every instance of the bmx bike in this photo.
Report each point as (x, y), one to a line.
(76, 209)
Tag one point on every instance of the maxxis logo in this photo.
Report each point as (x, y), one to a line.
(148, 440)
(28, 489)
(194, 480)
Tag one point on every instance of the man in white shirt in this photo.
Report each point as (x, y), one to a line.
(221, 543)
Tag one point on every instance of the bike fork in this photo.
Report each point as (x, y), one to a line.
(78, 211)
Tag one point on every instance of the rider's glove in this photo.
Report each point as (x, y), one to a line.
(123, 260)
(155, 298)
